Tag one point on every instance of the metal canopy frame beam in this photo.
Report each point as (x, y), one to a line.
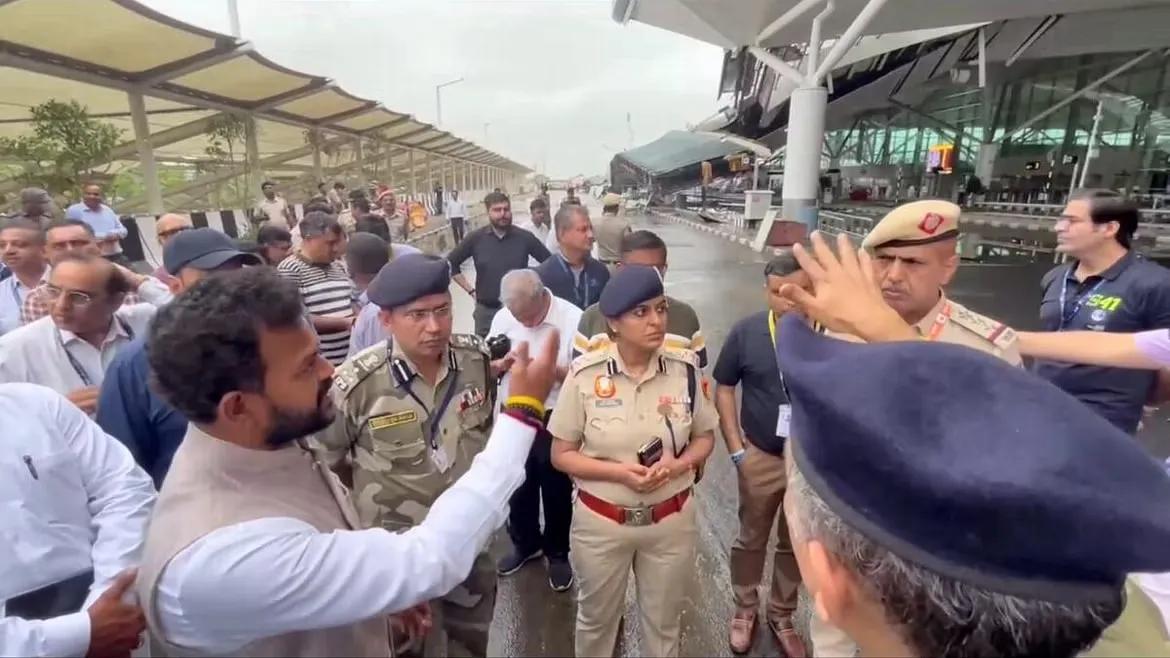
(45, 63)
(193, 63)
(1080, 93)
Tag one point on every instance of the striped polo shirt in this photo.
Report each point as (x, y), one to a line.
(327, 291)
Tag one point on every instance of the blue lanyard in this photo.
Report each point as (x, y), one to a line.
(581, 295)
(86, 380)
(1078, 303)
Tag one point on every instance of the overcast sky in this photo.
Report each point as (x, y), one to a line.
(553, 78)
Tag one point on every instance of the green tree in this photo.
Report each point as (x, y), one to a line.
(63, 147)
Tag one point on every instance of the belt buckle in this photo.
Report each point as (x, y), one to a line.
(637, 516)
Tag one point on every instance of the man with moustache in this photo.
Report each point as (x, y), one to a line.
(496, 249)
(252, 550)
(412, 416)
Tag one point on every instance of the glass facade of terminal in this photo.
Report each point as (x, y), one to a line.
(1133, 135)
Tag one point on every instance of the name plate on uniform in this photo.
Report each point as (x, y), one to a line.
(392, 420)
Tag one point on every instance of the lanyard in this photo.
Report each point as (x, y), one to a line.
(1079, 301)
(580, 287)
(940, 322)
(76, 365)
(437, 414)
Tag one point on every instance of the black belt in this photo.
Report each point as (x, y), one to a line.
(60, 598)
(495, 306)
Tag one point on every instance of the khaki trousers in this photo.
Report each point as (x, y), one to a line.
(762, 481)
(828, 641)
(662, 556)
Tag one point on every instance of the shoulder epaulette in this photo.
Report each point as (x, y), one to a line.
(997, 333)
(361, 365)
(470, 342)
(589, 359)
(681, 354)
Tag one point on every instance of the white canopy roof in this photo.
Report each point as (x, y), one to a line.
(189, 75)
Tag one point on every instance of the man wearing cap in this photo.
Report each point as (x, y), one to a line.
(914, 251)
(915, 257)
(35, 205)
(632, 427)
(128, 409)
(1040, 486)
(610, 229)
(411, 416)
(847, 298)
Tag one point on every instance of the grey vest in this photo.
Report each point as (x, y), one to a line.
(214, 484)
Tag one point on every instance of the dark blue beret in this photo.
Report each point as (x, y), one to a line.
(629, 286)
(973, 469)
(405, 279)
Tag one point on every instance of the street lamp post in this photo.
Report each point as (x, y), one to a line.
(439, 99)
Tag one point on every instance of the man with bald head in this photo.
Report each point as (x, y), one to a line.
(70, 349)
(166, 228)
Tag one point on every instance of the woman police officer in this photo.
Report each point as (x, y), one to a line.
(631, 429)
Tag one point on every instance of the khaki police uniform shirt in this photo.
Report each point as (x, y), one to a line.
(383, 434)
(962, 326)
(959, 325)
(608, 231)
(611, 414)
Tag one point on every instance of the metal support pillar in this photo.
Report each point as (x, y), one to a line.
(1093, 149)
(255, 171)
(390, 167)
(318, 172)
(360, 156)
(413, 176)
(154, 200)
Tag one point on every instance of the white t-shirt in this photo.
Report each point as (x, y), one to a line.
(561, 315)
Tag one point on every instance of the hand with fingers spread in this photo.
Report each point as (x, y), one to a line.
(846, 295)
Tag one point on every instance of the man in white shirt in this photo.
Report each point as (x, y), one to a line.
(271, 565)
(273, 208)
(76, 508)
(539, 223)
(531, 313)
(457, 214)
(70, 349)
(22, 249)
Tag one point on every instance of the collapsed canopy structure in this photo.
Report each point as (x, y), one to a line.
(674, 156)
(166, 83)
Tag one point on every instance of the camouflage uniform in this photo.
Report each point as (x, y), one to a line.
(386, 433)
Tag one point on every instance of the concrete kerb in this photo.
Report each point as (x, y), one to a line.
(730, 236)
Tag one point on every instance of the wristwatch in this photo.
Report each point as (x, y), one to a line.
(737, 456)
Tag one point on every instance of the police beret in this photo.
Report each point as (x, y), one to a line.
(919, 222)
(405, 279)
(973, 469)
(629, 286)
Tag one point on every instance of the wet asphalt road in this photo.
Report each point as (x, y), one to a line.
(723, 282)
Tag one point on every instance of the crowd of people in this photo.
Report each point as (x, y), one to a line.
(283, 448)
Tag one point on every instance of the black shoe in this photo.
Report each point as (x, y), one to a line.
(512, 562)
(560, 573)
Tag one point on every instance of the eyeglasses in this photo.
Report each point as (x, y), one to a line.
(75, 298)
(174, 231)
(420, 315)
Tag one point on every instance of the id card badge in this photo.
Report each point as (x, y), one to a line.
(784, 420)
(440, 460)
